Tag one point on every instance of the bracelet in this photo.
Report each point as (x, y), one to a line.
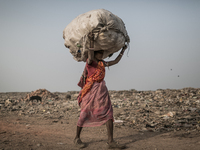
(120, 54)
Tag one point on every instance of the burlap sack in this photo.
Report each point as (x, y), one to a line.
(108, 29)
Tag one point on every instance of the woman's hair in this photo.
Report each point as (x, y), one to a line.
(100, 51)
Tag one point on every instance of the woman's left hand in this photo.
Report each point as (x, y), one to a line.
(125, 47)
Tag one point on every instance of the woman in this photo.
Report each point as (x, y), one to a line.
(94, 100)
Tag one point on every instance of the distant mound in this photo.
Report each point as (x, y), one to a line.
(43, 93)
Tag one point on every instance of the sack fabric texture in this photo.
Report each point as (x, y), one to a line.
(108, 30)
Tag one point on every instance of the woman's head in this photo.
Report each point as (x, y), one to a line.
(98, 54)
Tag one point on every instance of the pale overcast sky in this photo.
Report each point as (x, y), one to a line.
(164, 34)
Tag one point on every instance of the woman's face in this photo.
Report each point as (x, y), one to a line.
(99, 55)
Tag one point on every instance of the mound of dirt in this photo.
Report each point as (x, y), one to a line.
(43, 93)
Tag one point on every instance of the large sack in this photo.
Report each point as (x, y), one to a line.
(108, 29)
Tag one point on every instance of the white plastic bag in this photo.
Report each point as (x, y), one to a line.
(108, 30)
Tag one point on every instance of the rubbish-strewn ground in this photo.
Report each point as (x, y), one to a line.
(144, 120)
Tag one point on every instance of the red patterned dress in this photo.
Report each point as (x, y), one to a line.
(94, 100)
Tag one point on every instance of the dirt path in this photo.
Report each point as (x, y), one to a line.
(35, 133)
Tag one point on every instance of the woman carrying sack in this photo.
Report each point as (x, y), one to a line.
(94, 100)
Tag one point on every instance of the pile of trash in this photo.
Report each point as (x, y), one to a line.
(42, 93)
(155, 111)
(160, 110)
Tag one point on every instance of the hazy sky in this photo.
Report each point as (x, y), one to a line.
(164, 34)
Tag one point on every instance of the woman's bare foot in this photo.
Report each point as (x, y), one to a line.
(79, 143)
(116, 145)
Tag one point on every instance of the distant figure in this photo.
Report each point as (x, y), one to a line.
(38, 98)
(171, 69)
(178, 75)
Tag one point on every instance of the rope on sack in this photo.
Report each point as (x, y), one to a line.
(84, 43)
(127, 40)
(128, 46)
(92, 36)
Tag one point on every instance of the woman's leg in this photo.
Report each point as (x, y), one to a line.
(77, 139)
(111, 143)
(78, 132)
(109, 125)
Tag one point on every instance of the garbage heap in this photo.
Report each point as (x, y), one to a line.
(160, 110)
(156, 111)
(43, 93)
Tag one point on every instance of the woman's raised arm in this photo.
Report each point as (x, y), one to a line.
(110, 63)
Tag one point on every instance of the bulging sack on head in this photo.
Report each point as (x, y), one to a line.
(106, 29)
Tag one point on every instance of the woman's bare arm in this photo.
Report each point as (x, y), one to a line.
(90, 56)
(110, 63)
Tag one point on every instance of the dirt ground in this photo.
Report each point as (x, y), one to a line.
(37, 133)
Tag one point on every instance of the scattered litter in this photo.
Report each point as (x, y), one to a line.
(156, 111)
(118, 121)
